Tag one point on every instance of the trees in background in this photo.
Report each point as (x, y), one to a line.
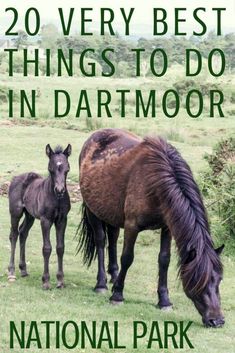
(122, 57)
(21, 40)
(49, 37)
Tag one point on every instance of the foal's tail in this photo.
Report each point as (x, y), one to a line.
(86, 238)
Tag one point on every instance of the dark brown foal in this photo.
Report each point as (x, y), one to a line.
(46, 199)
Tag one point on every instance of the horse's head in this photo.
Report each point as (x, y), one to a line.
(207, 300)
(58, 167)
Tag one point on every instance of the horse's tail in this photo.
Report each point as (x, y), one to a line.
(86, 238)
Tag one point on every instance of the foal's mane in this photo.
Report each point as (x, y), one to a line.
(170, 179)
(58, 149)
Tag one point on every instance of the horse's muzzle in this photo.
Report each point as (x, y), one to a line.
(59, 192)
(214, 322)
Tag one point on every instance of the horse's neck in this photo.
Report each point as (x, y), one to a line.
(187, 231)
(49, 186)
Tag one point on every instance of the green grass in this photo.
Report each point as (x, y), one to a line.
(25, 300)
(22, 149)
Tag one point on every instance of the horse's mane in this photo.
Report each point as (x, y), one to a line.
(170, 179)
(58, 149)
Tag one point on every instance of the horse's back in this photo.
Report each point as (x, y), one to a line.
(22, 181)
(104, 143)
(107, 161)
(18, 187)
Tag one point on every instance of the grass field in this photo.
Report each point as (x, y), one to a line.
(22, 145)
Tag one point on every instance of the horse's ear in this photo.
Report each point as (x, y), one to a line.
(191, 256)
(49, 151)
(68, 150)
(219, 250)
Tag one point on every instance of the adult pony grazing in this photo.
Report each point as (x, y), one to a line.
(137, 184)
(46, 199)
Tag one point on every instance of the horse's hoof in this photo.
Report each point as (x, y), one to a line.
(24, 274)
(11, 278)
(116, 302)
(46, 286)
(60, 285)
(166, 308)
(101, 290)
(116, 298)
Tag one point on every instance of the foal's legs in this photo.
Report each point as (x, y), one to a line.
(46, 250)
(99, 238)
(164, 260)
(127, 258)
(23, 232)
(60, 226)
(13, 239)
(113, 234)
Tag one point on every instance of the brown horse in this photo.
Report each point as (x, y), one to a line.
(137, 184)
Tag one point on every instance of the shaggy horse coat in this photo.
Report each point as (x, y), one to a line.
(46, 199)
(137, 184)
